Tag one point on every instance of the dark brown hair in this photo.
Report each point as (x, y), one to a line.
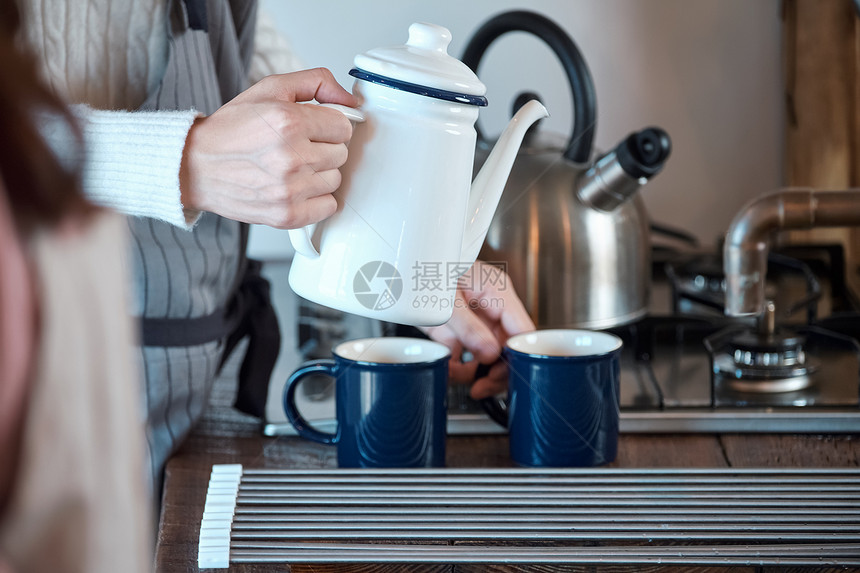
(40, 190)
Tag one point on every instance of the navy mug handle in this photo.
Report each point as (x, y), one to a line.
(492, 405)
(304, 429)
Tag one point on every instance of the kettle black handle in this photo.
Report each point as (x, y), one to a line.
(578, 74)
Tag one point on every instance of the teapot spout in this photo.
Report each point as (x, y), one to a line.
(490, 182)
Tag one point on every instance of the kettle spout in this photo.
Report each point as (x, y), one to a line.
(490, 182)
(616, 177)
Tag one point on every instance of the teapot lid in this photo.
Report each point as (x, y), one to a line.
(422, 66)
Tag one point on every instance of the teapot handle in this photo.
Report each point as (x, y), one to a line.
(301, 237)
(352, 114)
(581, 84)
(301, 241)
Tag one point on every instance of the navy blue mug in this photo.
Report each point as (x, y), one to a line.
(390, 402)
(563, 398)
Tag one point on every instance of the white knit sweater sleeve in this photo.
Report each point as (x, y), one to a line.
(132, 161)
(273, 53)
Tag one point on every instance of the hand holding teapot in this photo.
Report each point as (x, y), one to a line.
(265, 157)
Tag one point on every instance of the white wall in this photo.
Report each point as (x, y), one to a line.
(708, 71)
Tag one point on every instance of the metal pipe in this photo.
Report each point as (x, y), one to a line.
(800, 549)
(746, 245)
(748, 555)
(767, 320)
(847, 478)
(520, 535)
(825, 500)
(380, 490)
(260, 513)
(483, 529)
(547, 558)
(244, 521)
(542, 473)
(543, 498)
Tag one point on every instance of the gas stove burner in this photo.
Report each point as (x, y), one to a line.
(698, 285)
(709, 284)
(765, 362)
(703, 275)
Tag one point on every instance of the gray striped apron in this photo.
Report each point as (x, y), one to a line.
(185, 280)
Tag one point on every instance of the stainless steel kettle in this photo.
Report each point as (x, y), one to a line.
(573, 233)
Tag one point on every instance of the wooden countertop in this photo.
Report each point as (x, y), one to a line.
(225, 436)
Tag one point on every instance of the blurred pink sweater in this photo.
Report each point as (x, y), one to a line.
(17, 332)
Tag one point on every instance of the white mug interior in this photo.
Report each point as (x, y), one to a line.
(392, 350)
(564, 342)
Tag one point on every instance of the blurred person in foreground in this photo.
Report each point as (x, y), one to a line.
(73, 493)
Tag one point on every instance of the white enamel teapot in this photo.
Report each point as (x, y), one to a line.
(409, 219)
